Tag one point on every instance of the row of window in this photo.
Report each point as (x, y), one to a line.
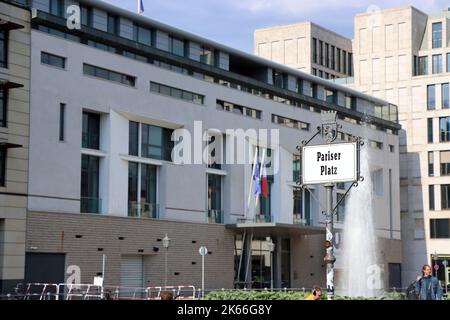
(352, 101)
(109, 75)
(332, 57)
(176, 93)
(238, 109)
(291, 123)
(421, 64)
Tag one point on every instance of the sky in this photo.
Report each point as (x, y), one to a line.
(232, 22)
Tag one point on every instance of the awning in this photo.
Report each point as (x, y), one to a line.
(8, 25)
(276, 229)
(5, 84)
(8, 145)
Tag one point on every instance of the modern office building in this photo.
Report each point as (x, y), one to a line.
(14, 133)
(402, 55)
(307, 47)
(105, 101)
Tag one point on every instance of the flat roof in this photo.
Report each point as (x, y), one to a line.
(276, 229)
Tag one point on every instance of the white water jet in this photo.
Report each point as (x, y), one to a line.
(359, 247)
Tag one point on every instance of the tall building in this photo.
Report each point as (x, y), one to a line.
(106, 99)
(402, 55)
(14, 133)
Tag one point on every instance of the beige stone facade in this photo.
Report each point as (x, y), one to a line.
(14, 137)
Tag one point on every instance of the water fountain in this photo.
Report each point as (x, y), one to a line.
(359, 247)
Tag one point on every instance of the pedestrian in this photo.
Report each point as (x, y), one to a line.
(315, 294)
(427, 286)
(166, 296)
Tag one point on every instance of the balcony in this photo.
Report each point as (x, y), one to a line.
(90, 205)
(299, 220)
(262, 218)
(143, 210)
(215, 216)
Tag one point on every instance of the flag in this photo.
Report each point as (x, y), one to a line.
(256, 180)
(140, 6)
(265, 187)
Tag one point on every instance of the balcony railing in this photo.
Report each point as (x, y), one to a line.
(90, 205)
(143, 210)
(215, 216)
(262, 218)
(298, 219)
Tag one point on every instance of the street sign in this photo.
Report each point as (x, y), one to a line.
(203, 251)
(436, 267)
(330, 163)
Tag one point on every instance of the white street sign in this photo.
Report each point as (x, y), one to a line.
(330, 163)
(203, 251)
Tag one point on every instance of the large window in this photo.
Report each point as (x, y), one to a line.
(444, 129)
(3, 49)
(437, 35)
(215, 199)
(142, 35)
(3, 107)
(176, 93)
(156, 142)
(109, 75)
(422, 66)
(86, 15)
(439, 228)
(57, 7)
(445, 163)
(91, 131)
(321, 53)
(445, 96)
(431, 197)
(133, 139)
(314, 50)
(430, 130)
(207, 55)
(437, 63)
(331, 96)
(53, 60)
(176, 46)
(431, 97)
(2, 166)
(302, 207)
(113, 24)
(142, 191)
(90, 202)
(296, 168)
(445, 196)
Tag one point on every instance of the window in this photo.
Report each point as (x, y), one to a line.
(62, 120)
(148, 190)
(315, 90)
(296, 168)
(2, 166)
(207, 55)
(377, 180)
(445, 196)
(350, 102)
(344, 61)
(422, 66)
(327, 55)
(448, 62)
(291, 123)
(53, 60)
(350, 64)
(445, 96)
(338, 60)
(445, 163)
(430, 130)
(109, 75)
(302, 207)
(437, 63)
(176, 46)
(176, 93)
(86, 15)
(431, 97)
(56, 7)
(444, 129)
(314, 50)
(437, 35)
(156, 142)
(341, 208)
(431, 197)
(3, 49)
(332, 54)
(90, 202)
(241, 110)
(91, 131)
(321, 53)
(215, 198)
(279, 79)
(113, 24)
(299, 87)
(3, 107)
(133, 139)
(331, 96)
(142, 35)
(439, 228)
(430, 163)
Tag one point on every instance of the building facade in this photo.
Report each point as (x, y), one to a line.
(106, 100)
(14, 132)
(401, 55)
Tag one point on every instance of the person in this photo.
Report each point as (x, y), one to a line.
(427, 286)
(166, 296)
(315, 294)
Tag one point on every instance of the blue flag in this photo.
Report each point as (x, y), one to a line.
(256, 180)
(140, 6)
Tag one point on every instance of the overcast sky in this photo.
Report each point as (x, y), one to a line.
(232, 22)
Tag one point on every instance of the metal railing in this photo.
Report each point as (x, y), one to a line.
(143, 210)
(299, 220)
(215, 216)
(90, 205)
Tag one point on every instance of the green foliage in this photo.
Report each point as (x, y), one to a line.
(256, 295)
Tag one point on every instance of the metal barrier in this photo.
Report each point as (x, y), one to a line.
(71, 291)
(36, 291)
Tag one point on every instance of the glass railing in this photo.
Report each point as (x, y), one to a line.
(300, 220)
(215, 216)
(90, 205)
(262, 218)
(143, 210)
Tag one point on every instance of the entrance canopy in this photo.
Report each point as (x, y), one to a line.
(273, 229)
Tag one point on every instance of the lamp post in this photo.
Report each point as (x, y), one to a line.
(271, 248)
(166, 243)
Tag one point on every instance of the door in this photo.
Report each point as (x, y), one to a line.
(131, 276)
